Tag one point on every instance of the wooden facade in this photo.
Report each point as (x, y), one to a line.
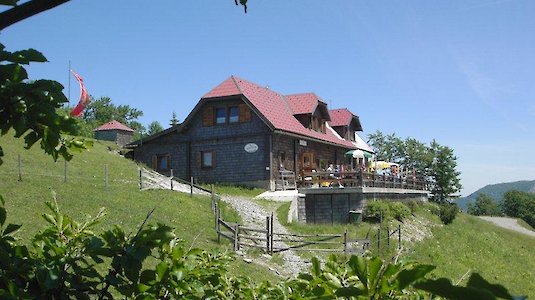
(226, 141)
(244, 133)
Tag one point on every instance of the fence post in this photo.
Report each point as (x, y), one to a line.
(216, 217)
(236, 237)
(388, 236)
(20, 169)
(218, 224)
(271, 233)
(106, 176)
(399, 236)
(378, 240)
(191, 187)
(345, 241)
(212, 196)
(140, 179)
(267, 235)
(65, 171)
(171, 179)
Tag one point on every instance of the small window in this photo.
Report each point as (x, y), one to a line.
(162, 162)
(221, 115)
(234, 114)
(207, 159)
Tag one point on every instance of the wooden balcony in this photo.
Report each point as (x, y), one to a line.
(360, 179)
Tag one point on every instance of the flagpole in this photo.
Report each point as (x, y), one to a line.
(69, 86)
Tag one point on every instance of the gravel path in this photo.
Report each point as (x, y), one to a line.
(254, 216)
(154, 180)
(509, 223)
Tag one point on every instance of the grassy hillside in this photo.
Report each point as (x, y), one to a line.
(496, 191)
(473, 245)
(85, 193)
(469, 244)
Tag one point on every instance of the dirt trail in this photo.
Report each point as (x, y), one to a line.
(154, 180)
(509, 223)
(254, 216)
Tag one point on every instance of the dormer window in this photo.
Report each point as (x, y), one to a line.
(221, 115)
(317, 124)
(231, 114)
(234, 114)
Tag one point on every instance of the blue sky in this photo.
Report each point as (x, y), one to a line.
(461, 72)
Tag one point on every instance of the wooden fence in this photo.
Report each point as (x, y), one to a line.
(169, 181)
(65, 172)
(269, 241)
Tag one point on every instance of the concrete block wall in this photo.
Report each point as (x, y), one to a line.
(328, 208)
(332, 206)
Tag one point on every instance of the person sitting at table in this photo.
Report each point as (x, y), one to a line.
(334, 173)
(330, 170)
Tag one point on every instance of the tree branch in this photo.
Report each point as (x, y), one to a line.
(26, 10)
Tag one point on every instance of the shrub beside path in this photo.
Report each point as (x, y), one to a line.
(508, 223)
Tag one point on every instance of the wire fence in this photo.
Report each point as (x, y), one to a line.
(23, 170)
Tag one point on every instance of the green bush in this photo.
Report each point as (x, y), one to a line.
(377, 209)
(413, 205)
(399, 210)
(447, 212)
(387, 210)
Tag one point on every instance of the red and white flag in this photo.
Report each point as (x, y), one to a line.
(84, 97)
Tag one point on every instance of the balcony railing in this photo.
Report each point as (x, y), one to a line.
(361, 179)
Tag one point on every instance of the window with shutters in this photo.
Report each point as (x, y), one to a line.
(226, 115)
(207, 159)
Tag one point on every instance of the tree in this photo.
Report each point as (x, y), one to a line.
(443, 172)
(23, 11)
(103, 110)
(174, 121)
(19, 12)
(386, 146)
(484, 206)
(154, 127)
(437, 163)
(521, 205)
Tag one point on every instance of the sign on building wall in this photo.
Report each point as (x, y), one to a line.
(303, 143)
(251, 148)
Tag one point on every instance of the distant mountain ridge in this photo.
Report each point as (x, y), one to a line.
(496, 191)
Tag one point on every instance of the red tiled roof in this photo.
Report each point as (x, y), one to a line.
(226, 88)
(340, 117)
(274, 107)
(114, 125)
(303, 103)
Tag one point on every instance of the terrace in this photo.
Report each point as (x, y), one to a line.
(360, 179)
